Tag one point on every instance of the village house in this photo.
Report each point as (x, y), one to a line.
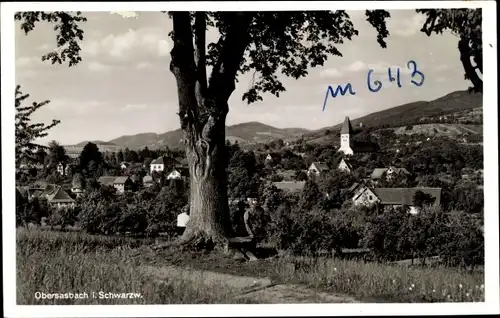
(157, 165)
(63, 169)
(122, 184)
(393, 197)
(318, 168)
(178, 173)
(390, 172)
(290, 186)
(147, 181)
(124, 165)
(352, 190)
(347, 144)
(163, 164)
(106, 180)
(269, 158)
(38, 189)
(54, 194)
(345, 165)
(59, 199)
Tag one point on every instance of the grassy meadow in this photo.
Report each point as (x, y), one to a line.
(49, 261)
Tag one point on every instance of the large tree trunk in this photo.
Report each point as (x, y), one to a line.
(470, 70)
(202, 111)
(209, 221)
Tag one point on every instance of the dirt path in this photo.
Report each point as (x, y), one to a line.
(261, 290)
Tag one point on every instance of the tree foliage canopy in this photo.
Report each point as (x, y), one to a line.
(466, 24)
(26, 132)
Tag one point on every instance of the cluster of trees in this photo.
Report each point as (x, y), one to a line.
(101, 210)
(307, 223)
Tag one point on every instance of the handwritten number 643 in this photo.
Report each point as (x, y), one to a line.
(375, 86)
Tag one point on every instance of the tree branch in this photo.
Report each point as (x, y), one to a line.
(200, 56)
(222, 80)
(184, 69)
(470, 70)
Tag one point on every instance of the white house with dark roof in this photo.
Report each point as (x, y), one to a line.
(345, 165)
(157, 165)
(394, 197)
(178, 173)
(318, 168)
(164, 163)
(124, 165)
(390, 172)
(122, 184)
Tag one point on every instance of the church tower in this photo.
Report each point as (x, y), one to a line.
(345, 137)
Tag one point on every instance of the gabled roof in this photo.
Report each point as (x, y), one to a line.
(378, 172)
(106, 180)
(321, 166)
(182, 171)
(348, 164)
(184, 162)
(59, 195)
(121, 180)
(346, 126)
(404, 196)
(158, 161)
(353, 187)
(360, 190)
(49, 189)
(399, 170)
(147, 179)
(292, 186)
(168, 161)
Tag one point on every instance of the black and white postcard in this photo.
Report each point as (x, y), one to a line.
(294, 158)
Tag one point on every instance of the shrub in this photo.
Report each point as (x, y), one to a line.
(63, 218)
(31, 211)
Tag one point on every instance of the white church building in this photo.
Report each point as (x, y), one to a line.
(347, 144)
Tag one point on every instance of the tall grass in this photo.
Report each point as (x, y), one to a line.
(51, 262)
(382, 282)
(367, 281)
(76, 262)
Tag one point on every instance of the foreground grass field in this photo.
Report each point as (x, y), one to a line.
(53, 262)
(75, 262)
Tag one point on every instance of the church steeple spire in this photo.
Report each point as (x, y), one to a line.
(346, 127)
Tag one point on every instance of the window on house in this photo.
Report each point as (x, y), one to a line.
(371, 198)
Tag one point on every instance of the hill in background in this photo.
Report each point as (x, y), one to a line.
(252, 133)
(417, 114)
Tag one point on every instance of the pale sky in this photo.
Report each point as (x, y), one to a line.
(124, 85)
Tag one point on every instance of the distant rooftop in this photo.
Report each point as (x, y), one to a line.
(292, 186)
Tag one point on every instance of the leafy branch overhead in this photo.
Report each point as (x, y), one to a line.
(274, 42)
(26, 132)
(466, 24)
(68, 31)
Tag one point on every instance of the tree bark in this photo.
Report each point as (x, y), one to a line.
(470, 70)
(202, 111)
